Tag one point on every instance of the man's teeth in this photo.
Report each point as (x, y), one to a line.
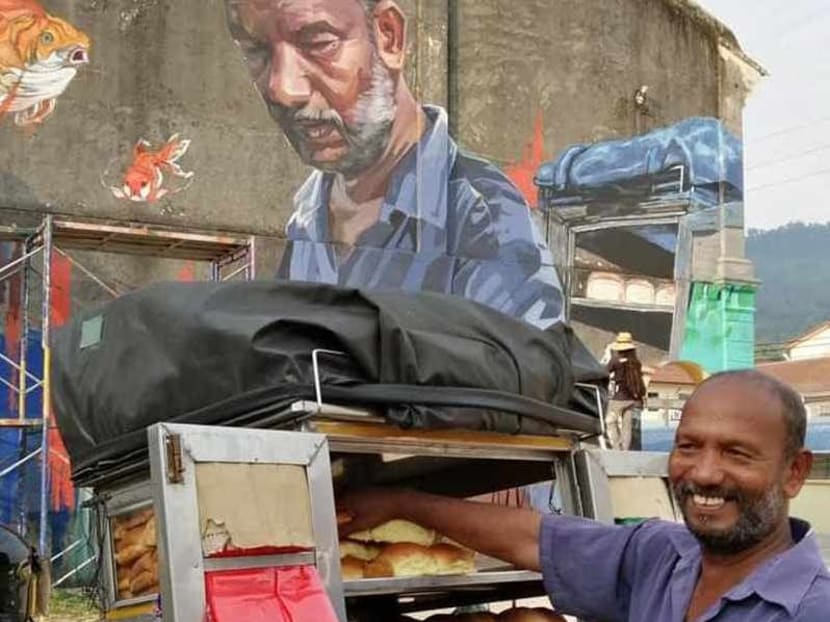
(318, 132)
(709, 502)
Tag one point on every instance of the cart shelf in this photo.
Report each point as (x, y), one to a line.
(414, 586)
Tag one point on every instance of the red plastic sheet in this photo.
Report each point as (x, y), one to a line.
(293, 594)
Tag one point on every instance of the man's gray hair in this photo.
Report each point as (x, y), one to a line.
(792, 404)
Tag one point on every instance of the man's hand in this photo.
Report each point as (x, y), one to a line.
(365, 509)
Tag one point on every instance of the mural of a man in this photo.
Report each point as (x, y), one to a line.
(393, 203)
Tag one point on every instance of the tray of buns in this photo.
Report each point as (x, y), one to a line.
(135, 554)
(411, 586)
(403, 558)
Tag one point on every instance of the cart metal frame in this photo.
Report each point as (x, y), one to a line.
(175, 450)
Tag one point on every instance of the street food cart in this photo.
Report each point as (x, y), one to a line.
(210, 498)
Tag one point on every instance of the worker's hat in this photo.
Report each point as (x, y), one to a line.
(624, 342)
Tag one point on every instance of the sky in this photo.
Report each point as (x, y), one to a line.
(787, 117)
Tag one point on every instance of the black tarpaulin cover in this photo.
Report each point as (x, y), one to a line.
(239, 353)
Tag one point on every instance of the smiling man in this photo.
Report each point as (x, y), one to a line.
(393, 203)
(738, 459)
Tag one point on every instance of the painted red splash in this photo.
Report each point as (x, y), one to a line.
(13, 326)
(61, 290)
(62, 492)
(187, 273)
(522, 172)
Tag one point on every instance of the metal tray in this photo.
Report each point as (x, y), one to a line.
(420, 585)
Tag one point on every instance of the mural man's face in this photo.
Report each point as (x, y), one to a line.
(316, 64)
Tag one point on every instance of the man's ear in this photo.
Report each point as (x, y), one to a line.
(390, 33)
(798, 471)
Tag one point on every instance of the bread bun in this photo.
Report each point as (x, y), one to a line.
(451, 559)
(146, 563)
(524, 614)
(351, 568)
(397, 531)
(364, 552)
(402, 560)
(413, 560)
(142, 535)
(136, 519)
(129, 554)
(143, 583)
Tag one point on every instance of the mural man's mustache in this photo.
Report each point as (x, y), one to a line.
(297, 120)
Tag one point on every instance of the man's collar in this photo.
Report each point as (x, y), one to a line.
(417, 188)
(783, 580)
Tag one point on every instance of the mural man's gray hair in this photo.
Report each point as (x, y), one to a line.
(792, 405)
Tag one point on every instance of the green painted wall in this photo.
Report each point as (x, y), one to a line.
(720, 326)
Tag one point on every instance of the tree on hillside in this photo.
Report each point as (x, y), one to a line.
(793, 264)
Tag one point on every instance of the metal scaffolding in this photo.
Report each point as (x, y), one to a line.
(228, 257)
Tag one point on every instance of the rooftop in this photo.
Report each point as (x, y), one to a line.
(812, 332)
(808, 376)
(677, 372)
(716, 28)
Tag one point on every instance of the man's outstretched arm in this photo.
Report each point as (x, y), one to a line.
(509, 534)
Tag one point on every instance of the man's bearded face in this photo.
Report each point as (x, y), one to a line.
(758, 515)
(729, 467)
(316, 65)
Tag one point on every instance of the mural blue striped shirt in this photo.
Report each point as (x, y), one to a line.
(449, 223)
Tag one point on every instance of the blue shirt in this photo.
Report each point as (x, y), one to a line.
(648, 573)
(449, 223)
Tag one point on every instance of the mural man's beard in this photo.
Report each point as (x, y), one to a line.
(367, 136)
(758, 516)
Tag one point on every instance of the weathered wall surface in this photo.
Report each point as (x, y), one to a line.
(579, 63)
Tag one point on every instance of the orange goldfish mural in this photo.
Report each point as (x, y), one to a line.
(144, 178)
(39, 56)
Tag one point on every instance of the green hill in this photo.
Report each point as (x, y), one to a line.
(793, 263)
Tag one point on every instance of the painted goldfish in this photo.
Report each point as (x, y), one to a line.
(39, 56)
(144, 178)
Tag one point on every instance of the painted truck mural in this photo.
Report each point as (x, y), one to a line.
(626, 212)
(552, 160)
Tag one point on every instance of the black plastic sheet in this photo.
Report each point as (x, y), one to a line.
(240, 353)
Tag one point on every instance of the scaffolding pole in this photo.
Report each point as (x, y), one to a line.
(46, 393)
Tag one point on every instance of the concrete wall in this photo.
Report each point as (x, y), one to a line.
(578, 64)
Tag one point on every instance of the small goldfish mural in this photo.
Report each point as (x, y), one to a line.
(144, 178)
(39, 56)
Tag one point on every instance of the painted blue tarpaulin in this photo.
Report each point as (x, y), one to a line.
(697, 158)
